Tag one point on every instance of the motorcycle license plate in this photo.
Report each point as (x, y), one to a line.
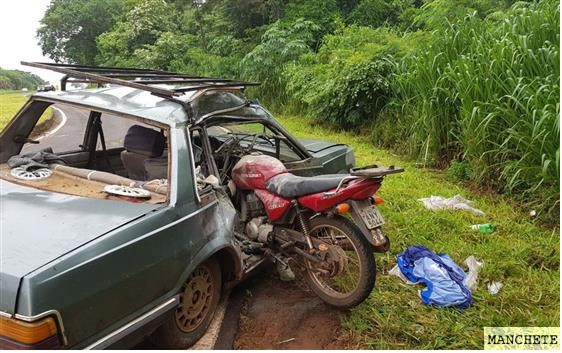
(371, 216)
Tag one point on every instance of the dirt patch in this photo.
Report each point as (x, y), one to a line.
(280, 315)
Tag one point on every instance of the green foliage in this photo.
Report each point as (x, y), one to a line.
(324, 13)
(488, 90)
(16, 79)
(460, 170)
(375, 13)
(438, 13)
(348, 81)
(281, 44)
(142, 25)
(69, 28)
(249, 14)
(441, 80)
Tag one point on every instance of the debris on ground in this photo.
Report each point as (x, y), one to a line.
(485, 228)
(474, 267)
(286, 341)
(395, 271)
(494, 287)
(442, 276)
(454, 203)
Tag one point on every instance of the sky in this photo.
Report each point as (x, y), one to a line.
(19, 20)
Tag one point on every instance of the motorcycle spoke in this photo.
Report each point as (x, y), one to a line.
(345, 280)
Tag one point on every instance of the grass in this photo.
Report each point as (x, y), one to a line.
(11, 102)
(521, 254)
(487, 91)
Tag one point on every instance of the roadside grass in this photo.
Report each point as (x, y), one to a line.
(522, 254)
(11, 101)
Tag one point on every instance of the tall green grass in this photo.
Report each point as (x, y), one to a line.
(487, 91)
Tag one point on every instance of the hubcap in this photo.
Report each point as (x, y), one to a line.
(195, 299)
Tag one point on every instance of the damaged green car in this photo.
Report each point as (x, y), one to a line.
(114, 226)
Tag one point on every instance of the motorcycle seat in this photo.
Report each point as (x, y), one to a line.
(289, 185)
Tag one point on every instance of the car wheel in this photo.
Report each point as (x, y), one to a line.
(199, 298)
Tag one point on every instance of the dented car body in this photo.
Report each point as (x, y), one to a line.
(96, 270)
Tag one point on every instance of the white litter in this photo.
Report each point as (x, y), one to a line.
(474, 267)
(395, 271)
(456, 202)
(494, 287)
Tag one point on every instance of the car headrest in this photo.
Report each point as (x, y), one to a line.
(145, 141)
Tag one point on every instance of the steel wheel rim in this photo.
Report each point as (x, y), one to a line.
(315, 276)
(195, 300)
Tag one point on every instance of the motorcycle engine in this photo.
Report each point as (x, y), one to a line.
(253, 213)
(251, 207)
(258, 229)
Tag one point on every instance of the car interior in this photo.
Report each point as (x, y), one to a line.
(96, 150)
(100, 149)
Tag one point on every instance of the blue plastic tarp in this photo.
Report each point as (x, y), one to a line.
(442, 276)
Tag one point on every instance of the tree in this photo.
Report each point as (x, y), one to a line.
(16, 79)
(376, 13)
(249, 14)
(69, 28)
(281, 44)
(141, 26)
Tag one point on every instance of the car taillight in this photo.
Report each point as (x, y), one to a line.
(39, 334)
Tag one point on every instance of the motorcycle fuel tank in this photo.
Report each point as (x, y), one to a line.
(253, 171)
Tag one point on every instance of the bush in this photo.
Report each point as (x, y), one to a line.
(282, 44)
(460, 170)
(487, 91)
(348, 81)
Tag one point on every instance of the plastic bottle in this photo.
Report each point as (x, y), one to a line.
(483, 228)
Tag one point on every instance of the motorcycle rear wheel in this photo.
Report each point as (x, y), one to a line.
(355, 283)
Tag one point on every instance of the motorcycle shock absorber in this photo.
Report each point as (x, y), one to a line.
(304, 226)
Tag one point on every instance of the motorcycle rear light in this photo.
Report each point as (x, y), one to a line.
(343, 208)
(28, 333)
(377, 200)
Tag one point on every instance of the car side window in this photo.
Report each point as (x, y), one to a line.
(61, 128)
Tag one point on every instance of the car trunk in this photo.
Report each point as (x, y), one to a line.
(39, 226)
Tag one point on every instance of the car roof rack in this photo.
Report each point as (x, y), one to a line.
(142, 79)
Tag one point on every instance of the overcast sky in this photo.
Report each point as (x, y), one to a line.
(19, 20)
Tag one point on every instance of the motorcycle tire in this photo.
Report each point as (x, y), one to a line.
(367, 276)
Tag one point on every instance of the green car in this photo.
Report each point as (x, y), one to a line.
(111, 231)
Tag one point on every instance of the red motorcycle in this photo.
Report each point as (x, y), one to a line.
(327, 225)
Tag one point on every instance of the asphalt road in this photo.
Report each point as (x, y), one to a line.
(68, 134)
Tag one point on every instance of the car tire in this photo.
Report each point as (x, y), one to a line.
(199, 298)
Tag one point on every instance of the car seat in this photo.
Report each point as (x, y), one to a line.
(144, 157)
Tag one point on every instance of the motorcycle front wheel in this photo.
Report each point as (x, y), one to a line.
(349, 281)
